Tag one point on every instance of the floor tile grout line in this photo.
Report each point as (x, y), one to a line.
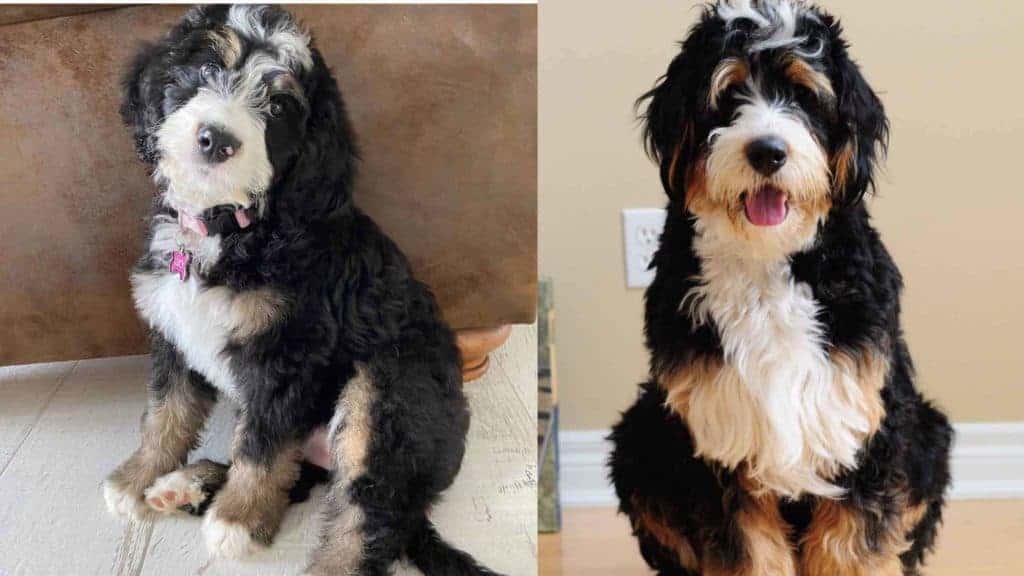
(39, 416)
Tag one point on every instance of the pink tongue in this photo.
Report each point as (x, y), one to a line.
(767, 207)
(242, 218)
(192, 223)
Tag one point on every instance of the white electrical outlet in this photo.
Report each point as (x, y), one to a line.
(641, 231)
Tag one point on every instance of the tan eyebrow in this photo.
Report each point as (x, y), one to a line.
(800, 72)
(728, 72)
(227, 44)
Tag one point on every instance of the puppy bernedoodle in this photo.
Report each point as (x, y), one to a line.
(263, 284)
(780, 432)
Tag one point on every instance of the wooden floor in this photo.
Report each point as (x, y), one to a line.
(979, 538)
(63, 427)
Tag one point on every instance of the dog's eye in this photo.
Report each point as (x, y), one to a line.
(208, 71)
(279, 106)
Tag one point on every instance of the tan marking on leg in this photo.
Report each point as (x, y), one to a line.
(254, 311)
(255, 495)
(766, 541)
(170, 429)
(870, 369)
(353, 430)
(341, 539)
(836, 542)
(668, 537)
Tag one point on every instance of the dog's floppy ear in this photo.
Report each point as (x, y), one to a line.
(672, 107)
(321, 181)
(141, 101)
(145, 80)
(862, 136)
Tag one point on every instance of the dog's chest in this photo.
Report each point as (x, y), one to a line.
(779, 403)
(200, 320)
(197, 320)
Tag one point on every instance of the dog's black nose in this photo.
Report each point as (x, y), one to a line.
(767, 154)
(216, 144)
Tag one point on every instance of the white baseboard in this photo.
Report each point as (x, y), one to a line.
(987, 463)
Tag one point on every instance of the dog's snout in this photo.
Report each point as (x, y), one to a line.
(216, 144)
(767, 154)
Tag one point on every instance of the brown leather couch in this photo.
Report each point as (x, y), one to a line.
(443, 99)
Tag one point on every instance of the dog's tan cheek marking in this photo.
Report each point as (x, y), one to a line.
(170, 429)
(255, 311)
(836, 542)
(765, 537)
(844, 164)
(341, 541)
(667, 536)
(870, 369)
(256, 495)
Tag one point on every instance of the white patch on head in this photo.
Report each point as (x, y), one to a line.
(290, 43)
(190, 182)
(776, 22)
(779, 404)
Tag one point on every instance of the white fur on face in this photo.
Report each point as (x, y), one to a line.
(191, 183)
(806, 177)
(779, 403)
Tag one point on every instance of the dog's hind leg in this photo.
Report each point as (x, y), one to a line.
(343, 541)
(178, 405)
(397, 442)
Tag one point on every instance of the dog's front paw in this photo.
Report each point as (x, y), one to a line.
(177, 491)
(225, 538)
(122, 501)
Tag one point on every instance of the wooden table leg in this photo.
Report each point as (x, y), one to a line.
(476, 344)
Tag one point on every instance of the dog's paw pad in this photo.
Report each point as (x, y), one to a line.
(173, 492)
(227, 539)
(123, 503)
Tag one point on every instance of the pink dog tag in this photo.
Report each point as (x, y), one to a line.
(179, 263)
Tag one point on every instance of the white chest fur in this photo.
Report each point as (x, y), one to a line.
(197, 321)
(779, 404)
(201, 320)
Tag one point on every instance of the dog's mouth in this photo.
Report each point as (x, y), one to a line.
(767, 206)
(222, 219)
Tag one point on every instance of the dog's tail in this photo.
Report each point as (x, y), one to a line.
(435, 557)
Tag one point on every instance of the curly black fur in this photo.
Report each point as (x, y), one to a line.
(852, 277)
(350, 297)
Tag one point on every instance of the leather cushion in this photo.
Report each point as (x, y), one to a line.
(443, 99)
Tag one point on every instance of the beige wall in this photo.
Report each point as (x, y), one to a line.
(950, 204)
